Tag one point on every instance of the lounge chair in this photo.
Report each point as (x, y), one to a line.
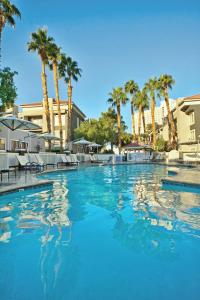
(25, 164)
(74, 159)
(33, 158)
(94, 159)
(45, 164)
(62, 160)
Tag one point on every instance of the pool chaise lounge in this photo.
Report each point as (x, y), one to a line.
(26, 165)
(35, 157)
(74, 159)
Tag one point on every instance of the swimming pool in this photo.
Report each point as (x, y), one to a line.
(101, 233)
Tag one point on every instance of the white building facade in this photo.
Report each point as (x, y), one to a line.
(160, 114)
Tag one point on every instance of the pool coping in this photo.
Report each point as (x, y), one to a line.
(183, 177)
(39, 183)
(22, 187)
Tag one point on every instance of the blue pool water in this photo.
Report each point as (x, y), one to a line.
(101, 233)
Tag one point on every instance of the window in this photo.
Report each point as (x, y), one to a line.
(2, 144)
(56, 120)
(192, 135)
(191, 118)
(17, 145)
(14, 145)
(38, 120)
(23, 145)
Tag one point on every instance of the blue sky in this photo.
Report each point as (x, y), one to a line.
(113, 41)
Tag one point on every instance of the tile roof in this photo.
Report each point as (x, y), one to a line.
(40, 103)
(194, 97)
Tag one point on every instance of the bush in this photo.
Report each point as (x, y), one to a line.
(161, 144)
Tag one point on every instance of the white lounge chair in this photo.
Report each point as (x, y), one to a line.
(62, 159)
(26, 164)
(40, 161)
(74, 159)
(35, 159)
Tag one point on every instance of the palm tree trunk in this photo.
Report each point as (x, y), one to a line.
(119, 127)
(55, 75)
(170, 119)
(2, 23)
(0, 46)
(139, 122)
(143, 119)
(46, 100)
(133, 121)
(69, 93)
(153, 122)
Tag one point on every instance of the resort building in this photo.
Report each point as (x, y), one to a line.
(160, 114)
(19, 141)
(186, 115)
(35, 113)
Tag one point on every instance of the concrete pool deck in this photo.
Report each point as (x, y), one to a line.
(28, 180)
(188, 177)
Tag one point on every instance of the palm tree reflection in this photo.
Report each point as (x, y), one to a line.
(158, 217)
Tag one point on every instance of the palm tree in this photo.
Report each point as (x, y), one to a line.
(8, 12)
(131, 87)
(53, 53)
(165, 83)
(39, 43)
(151, 88)
(69, 70)
(118, 97)
(145, 105)
(141, 102)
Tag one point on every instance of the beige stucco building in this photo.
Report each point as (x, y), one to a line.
(186, 115)
(160, 114)
(35, 113)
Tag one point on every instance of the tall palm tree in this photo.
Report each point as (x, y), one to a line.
(118, 97)
(39, 43)
(141, 103)
(69, 70)
(145, 105)
(152, 88)
(8, 12)
(165, 83)
(131, 87)
(54, 56)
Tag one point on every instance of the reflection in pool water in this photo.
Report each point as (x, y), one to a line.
(101, 233)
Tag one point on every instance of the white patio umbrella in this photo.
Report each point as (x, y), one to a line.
(14, 123)
(82, 142)
(48, 137)
(94, 145)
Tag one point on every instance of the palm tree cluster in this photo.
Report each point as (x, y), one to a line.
(62, 66)
(141, 99)
(8, 12)
(51, 55)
